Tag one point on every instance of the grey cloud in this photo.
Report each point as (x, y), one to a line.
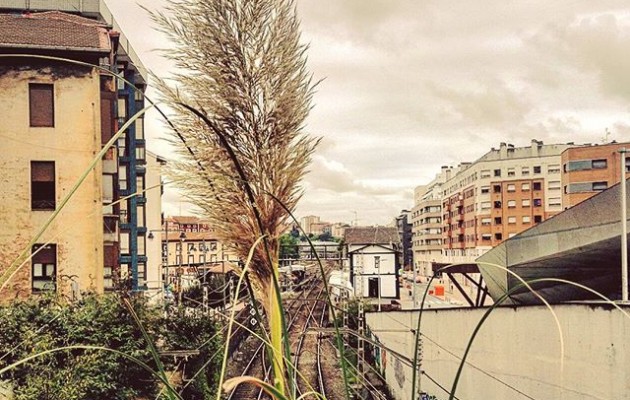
(489, 105)
(592, 43)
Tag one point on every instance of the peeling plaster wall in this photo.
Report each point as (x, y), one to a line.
(72, 144)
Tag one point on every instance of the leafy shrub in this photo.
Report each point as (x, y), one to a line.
(43, 324)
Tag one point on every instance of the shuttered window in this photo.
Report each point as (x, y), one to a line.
(41, 105)
(44, 270)
(43, 185)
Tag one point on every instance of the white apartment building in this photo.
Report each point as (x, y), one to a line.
(426, 222)
(504, 192)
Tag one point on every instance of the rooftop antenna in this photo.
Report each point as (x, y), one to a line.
(606, 135)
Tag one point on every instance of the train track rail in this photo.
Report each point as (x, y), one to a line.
(298, 311)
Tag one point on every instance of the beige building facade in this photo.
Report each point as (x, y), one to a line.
(59, 117)
(40, 163)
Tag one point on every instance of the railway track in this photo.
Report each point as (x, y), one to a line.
(300, 315)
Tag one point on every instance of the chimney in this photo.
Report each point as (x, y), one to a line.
(535, 146)
(503, 150)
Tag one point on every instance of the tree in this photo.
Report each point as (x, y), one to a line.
(288, 247)
(239, 106)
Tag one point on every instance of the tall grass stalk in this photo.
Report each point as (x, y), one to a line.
(240, 102)
(339, 338)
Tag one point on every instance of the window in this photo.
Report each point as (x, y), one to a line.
(485, 205)
(486, 236)
(511, 172)
(554, 185)
(497, 172)
(525, 187)
(582, 165)
(485, 173)
(191, 247)
(527, 219)
(485, 189)
(497, 220)
(178, 246)
(43, 185)
(537, 203)
(525, 171)
(497, 204)
(485, 221)
(553, 169)
(526, 203)
(213, 246)
(191, 259)
(108, 278)
(511, 187)
(377, 262)
(537, 169)
(202, 259)
(537, 185)
(582, 187)
(41, 105)
(511, 220)
(496, 188)
(178, 259)
(537, 218)
(498, 236)
(44, 261)
(511, 203)
(555, 202)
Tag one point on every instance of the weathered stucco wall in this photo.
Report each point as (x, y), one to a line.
(72, 144)
(516, 354)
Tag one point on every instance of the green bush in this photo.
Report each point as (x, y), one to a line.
(42, 324)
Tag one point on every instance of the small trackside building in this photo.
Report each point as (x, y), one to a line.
(374, 257)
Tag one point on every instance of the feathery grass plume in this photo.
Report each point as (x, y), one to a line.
(243, 68)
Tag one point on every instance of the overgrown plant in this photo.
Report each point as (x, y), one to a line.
(241, 101)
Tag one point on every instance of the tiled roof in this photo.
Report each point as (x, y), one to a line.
(186, 219)
(173, 236)
(53, 30)
(371, 235)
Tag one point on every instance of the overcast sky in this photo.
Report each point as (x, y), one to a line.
(410, 85)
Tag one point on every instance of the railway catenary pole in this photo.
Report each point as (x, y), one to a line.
(361, 311)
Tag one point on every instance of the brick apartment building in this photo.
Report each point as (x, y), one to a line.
(466, 211)
(588, 169)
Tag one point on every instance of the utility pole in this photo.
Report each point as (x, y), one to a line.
(361, 311)
(419, 372)
(624, 229)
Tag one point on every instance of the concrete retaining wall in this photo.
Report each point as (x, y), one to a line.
(516, 355)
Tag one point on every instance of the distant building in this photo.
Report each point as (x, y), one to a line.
(337, 229)
(189, 247)
(307, 221)
(373, 254)
(58, 116)
(403, 225)
(501, 194)
(426, 222)
(589, 169)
